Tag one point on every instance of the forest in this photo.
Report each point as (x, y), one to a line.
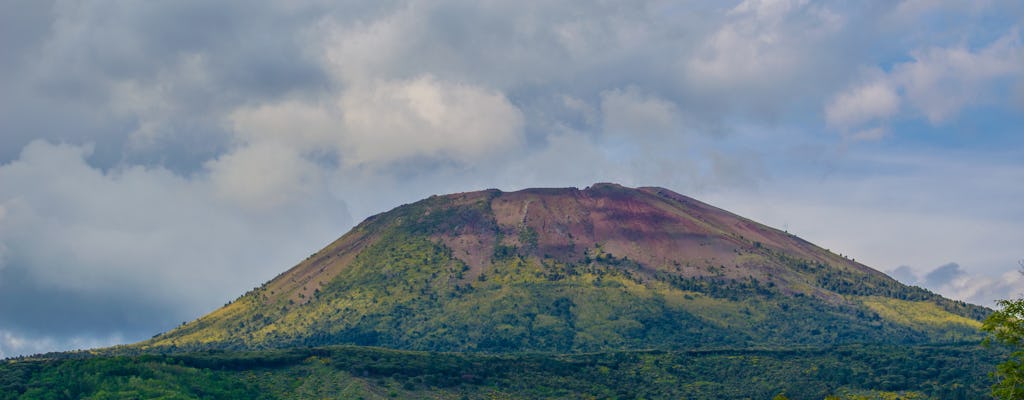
(949, 371)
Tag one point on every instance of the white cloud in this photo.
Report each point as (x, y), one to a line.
(984, 290)
(264, 176)
(956, 282)
(938, 83)
(942, 81)
(629, 112)
(762, 44)
(366, 50)
(383, 122)
(390, 121)
(866, 103)
(300, 125)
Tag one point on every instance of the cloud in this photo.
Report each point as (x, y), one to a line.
(120, 126)
(139, 84)
(863, 104)
(12, 344)
(956, 282)
(938, 83)
(132, 250)
(262, 176)
(912, 209)
(762, 44)
(390, 121)
(384, 122)
(943, 275)
(984, 290)
(904, 274)
(629, 112)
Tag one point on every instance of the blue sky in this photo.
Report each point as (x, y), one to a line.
(159, 158)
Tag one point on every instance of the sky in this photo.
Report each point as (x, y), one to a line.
(160, 158)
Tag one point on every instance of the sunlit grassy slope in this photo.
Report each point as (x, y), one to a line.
(918, 314)
(607, 268)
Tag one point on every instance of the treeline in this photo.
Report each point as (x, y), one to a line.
(942, 372)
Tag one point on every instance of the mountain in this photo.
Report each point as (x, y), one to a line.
(568, 270)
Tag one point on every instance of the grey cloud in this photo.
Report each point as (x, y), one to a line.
(38, 309)
(582, 51)
(185, 64)
(943, 275)
(984, 289)
(559, 93)
(904, 274)
(15, 343)
(129, 251)
(23, 26)
(954, 281)
(249, 53)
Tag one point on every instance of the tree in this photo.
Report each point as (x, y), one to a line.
(1006, 326)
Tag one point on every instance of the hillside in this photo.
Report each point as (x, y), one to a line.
(568, 270)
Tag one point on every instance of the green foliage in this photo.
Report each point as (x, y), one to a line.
(1006, 327)
(398, 285)
(860, 283)
(583, 323)
(852, 372)
(143, 377)
(406, 291)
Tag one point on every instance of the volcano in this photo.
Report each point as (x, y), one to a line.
(567, 270)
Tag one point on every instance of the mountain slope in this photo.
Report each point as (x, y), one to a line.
(567, 270)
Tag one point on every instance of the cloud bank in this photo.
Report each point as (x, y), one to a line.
(158, 159)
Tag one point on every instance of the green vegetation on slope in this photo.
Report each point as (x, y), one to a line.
(539, 306)
(407, 292)
(941, 372)
(443, 275)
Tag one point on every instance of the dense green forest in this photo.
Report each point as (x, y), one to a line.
(953, 371)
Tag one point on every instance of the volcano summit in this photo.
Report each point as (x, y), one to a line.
(568, 270)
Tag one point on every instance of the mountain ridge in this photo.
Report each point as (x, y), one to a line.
(568, 270)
